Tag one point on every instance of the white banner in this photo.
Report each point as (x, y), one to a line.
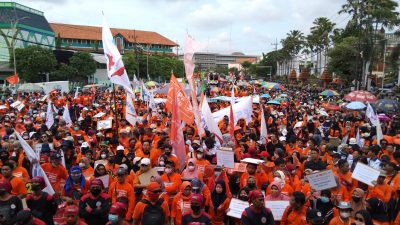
(242, 109)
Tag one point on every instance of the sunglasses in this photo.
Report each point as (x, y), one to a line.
(359, 219)
(156, 191)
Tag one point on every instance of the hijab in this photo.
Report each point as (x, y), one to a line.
(357, 206)
(218, 198)
(187, 174)
(377, 210)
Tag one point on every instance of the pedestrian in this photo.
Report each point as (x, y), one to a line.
(197, 214)
(257, 213)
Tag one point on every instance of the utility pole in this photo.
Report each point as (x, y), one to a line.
(277, 64)
(136, 55)
(14, 30)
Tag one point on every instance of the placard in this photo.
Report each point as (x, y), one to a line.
(225, 157)
(365, 174)
(104, 124)
(105, 179)
(20, 106)
(236, 208)
(3, 107)
(252, 161)
(239, 167)
(277, 208)
(15, 104)
(322, 180)
(145, 178)
(98, 115)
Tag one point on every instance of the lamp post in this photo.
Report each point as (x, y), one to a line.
(14, 29)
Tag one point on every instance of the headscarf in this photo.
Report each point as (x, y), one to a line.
(183, 186)
(70, 183)
(357, 206)
(367, 217)
(186, 174)
(39, 180)
(218, 199)
(282, 175)
(280, 196)
(254, 194)
(377, 210)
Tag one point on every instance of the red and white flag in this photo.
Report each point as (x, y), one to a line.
(115, 67)
(176, 132)
(130, 113)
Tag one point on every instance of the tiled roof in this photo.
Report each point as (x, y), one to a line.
(94, 33)
(9, 15)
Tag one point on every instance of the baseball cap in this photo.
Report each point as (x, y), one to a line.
(145, 161)
(119, 209)
(344, 205)
(121, 171)
(352, 141)
(120, 147)
(55, 155)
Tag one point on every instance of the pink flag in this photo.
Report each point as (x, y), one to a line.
(115, 66)
(231, 118)
(176, 133)
(189, 68)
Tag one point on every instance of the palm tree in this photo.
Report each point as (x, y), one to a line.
(293, 44)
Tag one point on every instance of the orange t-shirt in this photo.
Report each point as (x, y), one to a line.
(126, 190)
(55, 174)
(294, 217)
(139, 209)
(18, 186)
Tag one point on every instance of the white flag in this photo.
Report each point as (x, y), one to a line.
(34, 159)
(130, 113)
(358, 138)
(264, 130)
(49, 115)
(76, 93)
(115, 66)
(208, 120)
(375, 121)
(67, 116)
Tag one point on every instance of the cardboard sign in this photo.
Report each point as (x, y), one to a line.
(365, 174)
(104, 124)
(105, 179)
(322, 180)
(238, 167)
(236, 208)
(15, 104)
(252, 161)
(20, 106)
(225, 157)
(334, 141)
(277, 208)
(98, 115)
(145, 178)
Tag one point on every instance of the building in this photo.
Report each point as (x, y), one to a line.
(21, 26)
(88, 38)
(208, 61)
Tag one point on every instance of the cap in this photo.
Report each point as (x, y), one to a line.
(344, 205)
(145, 161)
(45, 147)
(136, 159)
(55, 155)
(282, 138)
(197, 199)
(263, 154)
(40, 180)
(197, 142)
(121, 171)
(71, 210)
(120, 148)
(85, 145)
(97, 182)
(119, 209)
(153, 186)
(352, 141)
(31, 134)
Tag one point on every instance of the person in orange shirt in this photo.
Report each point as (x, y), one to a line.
(117, 214)
(259, 174)
(55, 171)
(181, 203)
(152, 199)
(168, 152)
(19, 171)
(344, 217)
(345, 177)
(220, 203)
(201, 162)
(17, 184)
(121, 189)
(87, 170)
(295, 213)
(145, 151)
(76, 185)
(172, 180)
(381, 190)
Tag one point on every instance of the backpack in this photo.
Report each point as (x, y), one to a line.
(153, 214)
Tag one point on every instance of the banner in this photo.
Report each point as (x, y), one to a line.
(242, 109)
(67, 116)
(176, 132)
(130, 112)
(264, 130)
(208, 121)
(185, 107)
(49, 115)
(375, 121)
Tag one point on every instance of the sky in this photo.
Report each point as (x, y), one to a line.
(221, 26)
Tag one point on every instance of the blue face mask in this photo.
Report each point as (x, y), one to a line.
(113, 218)
(324, 199)
(76, 128)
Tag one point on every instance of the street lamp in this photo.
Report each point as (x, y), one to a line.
(14, 28)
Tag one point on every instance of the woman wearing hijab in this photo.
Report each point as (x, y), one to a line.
(191, 171)
(199, 187)
(100, 171)
(75, 185)
(358, 201)
(181, 203)
(377, 210)
(220, 203)
(362, 217)
(276, 194)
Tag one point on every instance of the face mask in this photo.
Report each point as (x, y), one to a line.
(146, 152)
(356, 198)
(82, 165)
(199, 156)
(2, 192)
(162, 163)
(168, 170)
(359, 223)
(103, 156)
(76, 128)
(120, 153)
(167, 153)
(344, 215)
(251, 185)
(186, 192)
(243, 198)
(217, 173)
(195, 208)
(95, 191)
(113, 218)
(324, 199)
(191, 168)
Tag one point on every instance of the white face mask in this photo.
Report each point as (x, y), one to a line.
(359, 223)
(199, 156)
(82, 165)
(168, 170)
(191, 168)
(344, 215)
(103, 156)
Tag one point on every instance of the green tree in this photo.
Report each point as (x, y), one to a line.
(34, 62)
(130, 63)
(64, 72)
(292, 45)
(246, 65)
(84, 64)
(58, 41)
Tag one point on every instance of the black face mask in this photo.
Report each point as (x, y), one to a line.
(120, 153)
(95, 191)
(167, 153)
(2, 192)
(356, 199)
(251, 185)
(243, 198)
(146, 152)
(195, 208)
(35, 187)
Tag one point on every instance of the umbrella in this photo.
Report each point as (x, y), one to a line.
(273, 102)
(281, 99)
(278, 87)
(329, 93)
(388, 106)
(361, 96)
(331, 107)
(383, 117)
(137, 90)
(283, 96)
(151, 83)
(265, 95)
(30, 87)
(356, 105)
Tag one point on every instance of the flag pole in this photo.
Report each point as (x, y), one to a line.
(115, 108)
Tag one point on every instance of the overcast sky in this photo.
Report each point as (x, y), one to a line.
(223, 26)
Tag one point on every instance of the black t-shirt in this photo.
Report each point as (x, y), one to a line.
(9, 210)
(272, 147)
(204, 219)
